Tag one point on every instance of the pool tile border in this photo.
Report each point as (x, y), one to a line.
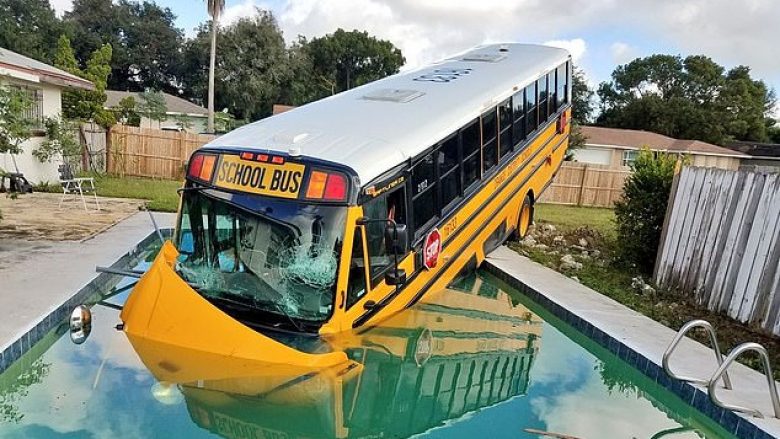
(15, 350)
(730, 421)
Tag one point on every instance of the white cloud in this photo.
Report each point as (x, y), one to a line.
(622, 52)
(576, 47)
(61, 6)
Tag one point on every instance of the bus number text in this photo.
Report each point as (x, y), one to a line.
(443, 75)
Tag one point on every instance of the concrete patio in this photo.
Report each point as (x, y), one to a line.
(38, 276)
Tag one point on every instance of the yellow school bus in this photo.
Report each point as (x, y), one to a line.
(333, 216)
(455, 352)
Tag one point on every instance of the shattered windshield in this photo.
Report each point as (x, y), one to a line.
(270, 255)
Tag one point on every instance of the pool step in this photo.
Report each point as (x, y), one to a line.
(723, 365)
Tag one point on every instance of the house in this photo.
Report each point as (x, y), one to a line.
(617, 148)
(181, 113)
(44, 84)
(764, 157)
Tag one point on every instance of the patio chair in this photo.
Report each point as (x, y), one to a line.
(77, 186)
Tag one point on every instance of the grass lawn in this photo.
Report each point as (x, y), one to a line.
(607, 276)
(161, 194)
(568, 218)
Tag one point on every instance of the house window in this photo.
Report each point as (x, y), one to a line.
(35, 112)
(629, 156)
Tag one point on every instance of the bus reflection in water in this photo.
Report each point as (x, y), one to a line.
(458, 350)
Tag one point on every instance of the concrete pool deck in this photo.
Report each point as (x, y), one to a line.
(641, 342)
(38, 277)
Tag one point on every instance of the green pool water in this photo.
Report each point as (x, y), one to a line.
(535, 374)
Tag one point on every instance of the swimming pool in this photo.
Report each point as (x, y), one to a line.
(479, 357)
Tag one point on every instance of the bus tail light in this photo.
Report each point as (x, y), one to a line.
(328, 186)
(336, 187)
(202, 166)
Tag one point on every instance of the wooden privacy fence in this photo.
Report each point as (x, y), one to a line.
(721, 243)
(586, 185)
(146, 152)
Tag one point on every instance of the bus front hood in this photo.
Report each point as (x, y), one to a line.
(162, 308)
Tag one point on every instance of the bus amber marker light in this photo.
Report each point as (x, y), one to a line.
(431, 249)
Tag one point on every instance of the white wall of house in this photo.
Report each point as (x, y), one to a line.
(198, 123)
(33, 170)
(596, 156)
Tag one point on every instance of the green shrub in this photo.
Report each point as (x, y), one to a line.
(640, 212)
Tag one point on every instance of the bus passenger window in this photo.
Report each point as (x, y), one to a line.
(449, 170)
(356, 286)
(518, 110)
(505, 128)
(542, 99)
(391, 207)
(489, 143)
(424, 192)
(561, 82)
(470, 143)
(531, 116)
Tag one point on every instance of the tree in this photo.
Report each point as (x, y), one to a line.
(146, 43)
(152, 106)
(86, 105)
(581, 97)
(29, 27)
(215, 9)
(60, 140)
(125, 112)
(689, 98)
(250, 66)
(64, 57)
(343, 60)
(15, 125)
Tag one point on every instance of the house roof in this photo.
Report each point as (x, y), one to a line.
(174, 104)
(754, 149)
(637, 139)
(21, 67)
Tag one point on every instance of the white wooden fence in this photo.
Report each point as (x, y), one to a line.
(721, 243)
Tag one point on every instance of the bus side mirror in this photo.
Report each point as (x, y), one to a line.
(396, 239)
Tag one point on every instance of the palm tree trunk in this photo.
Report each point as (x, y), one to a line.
(212, 63)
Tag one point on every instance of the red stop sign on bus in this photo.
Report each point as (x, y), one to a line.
(431, 249)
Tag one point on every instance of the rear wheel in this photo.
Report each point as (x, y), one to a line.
(524, 218)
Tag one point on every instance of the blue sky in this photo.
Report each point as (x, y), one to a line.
(600, 33)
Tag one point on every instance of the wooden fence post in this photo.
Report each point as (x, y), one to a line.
(582, 185)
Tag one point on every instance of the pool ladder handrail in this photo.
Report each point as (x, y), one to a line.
(721, 370)
(715, 346)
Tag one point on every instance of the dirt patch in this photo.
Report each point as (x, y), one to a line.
(38, 216)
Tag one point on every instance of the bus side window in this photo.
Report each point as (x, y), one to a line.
(448, 160)
(518, 112)
(531, 115)
(489, 144)
(391, 207)
(356, 286)
(505, 128)
(469, 139)
(424, 205)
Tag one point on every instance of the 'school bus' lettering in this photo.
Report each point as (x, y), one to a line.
(282, 181)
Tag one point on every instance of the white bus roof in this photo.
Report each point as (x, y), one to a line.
(377, 126)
